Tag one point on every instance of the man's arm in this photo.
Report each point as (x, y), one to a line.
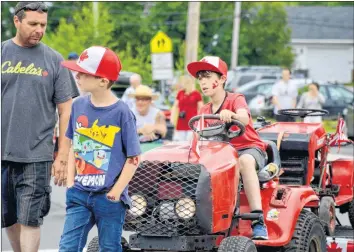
(125, 177)
(59, 169)
(160, 124)
(275, 96)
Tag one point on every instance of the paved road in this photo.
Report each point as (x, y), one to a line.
(53, 223)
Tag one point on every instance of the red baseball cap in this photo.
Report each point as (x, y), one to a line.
(97, 61)
(208, 63)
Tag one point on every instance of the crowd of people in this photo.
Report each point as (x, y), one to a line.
(100, 134)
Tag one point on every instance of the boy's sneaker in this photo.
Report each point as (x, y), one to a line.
(259, 230)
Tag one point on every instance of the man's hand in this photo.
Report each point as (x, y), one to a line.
(60, 170)
(226, 115)
(148, 129)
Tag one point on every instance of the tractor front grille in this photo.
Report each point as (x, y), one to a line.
(163, 199)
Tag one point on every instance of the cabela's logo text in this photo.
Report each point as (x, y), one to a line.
(8, 68)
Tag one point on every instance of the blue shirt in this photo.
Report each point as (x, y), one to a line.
(103, 139)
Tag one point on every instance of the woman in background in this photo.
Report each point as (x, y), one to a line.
(312, 99)
(187, 104)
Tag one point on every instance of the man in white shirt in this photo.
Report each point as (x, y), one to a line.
(284, 96)
(135, 81)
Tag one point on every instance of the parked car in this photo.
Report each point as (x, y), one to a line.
(348, 114)
(262, 87)
(237, 79)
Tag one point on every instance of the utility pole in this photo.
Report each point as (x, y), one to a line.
(235, 35)
(192, 36)
(95, 17)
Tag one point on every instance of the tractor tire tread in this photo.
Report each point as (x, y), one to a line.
(237, 244)
(302, 231)
(327, 202)
(351, 213)
(93, 245)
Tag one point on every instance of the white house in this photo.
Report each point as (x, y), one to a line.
(323, 40)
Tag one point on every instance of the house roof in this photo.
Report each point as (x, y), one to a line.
(321, 22)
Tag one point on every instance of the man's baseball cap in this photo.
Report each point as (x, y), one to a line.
(73, 56)
(97, 61)
(208, 63)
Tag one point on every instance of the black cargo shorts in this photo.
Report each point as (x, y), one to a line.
(25, 193)
(257, 154)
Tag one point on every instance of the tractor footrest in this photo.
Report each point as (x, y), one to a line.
(179, 243)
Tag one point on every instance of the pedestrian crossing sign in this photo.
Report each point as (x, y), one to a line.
(161, 43)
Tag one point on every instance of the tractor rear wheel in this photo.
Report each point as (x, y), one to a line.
(309, 235)
(327, 214)
(351, 213)
(94, 245)
(237, 244)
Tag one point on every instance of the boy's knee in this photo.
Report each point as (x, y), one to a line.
(247, 161)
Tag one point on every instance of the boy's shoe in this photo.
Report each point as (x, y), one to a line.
(259, 231)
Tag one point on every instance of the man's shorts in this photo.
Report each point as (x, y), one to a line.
(259, 156)
(25, 193)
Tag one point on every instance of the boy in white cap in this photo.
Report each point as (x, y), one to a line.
(105, 154)
(211, 73)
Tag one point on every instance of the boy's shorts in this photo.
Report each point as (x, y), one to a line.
(259, 156)
(25, 193)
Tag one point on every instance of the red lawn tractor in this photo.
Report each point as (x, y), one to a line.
(185, 200)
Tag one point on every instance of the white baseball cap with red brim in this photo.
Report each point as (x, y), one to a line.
(208, 63)
(97, 61)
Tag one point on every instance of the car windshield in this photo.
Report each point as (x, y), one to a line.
(341, 93)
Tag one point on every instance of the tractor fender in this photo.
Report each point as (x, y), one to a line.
(283, 210)
(343, 176)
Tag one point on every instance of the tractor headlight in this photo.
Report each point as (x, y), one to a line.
(139, 205)
(185, 208)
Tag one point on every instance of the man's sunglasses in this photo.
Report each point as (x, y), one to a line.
(33, 7)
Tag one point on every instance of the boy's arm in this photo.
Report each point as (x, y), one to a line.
(126, 175)
(71, 167)
(242, 115)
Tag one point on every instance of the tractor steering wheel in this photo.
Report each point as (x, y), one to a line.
(303, 112)
(219, 127)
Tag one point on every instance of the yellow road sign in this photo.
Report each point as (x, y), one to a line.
(161, 43)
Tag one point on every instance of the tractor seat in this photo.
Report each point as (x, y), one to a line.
(273, 155)
(267, 173)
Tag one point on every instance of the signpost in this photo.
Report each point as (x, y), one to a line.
(161, 58)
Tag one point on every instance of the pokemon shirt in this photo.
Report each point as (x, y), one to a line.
(103, 138)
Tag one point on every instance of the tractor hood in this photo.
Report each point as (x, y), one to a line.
(213, 155)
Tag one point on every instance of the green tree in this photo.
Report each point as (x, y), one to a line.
(138, 64)
(80, 34)
(7, 25)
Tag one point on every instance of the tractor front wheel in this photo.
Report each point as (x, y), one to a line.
(237, 244)
(309, 235)
(94, 245)
(351, 213)
(327, 214)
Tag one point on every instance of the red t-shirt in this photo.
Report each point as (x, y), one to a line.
(189, 104)
(233, 102)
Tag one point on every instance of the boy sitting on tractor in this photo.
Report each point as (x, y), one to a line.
(211, 73)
